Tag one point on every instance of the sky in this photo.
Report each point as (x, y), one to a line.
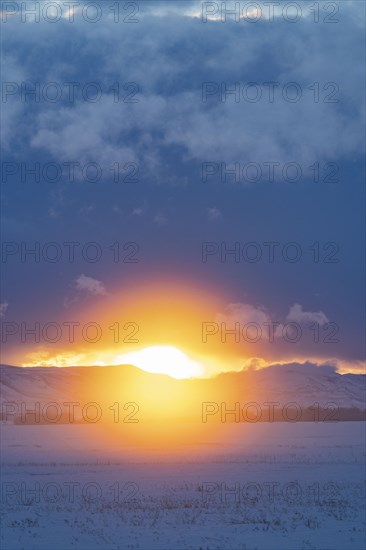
(178, 173)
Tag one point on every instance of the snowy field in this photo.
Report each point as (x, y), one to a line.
(250, 486)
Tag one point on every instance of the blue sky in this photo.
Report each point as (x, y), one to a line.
(162, 140)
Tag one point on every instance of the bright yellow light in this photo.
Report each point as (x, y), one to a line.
(163, 360)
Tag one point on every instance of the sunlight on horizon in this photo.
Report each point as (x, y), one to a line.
(163, 360)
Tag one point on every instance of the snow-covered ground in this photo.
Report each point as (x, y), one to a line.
(247, 486)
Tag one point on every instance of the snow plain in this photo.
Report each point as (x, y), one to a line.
(263, 486)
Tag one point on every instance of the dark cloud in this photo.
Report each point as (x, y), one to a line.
(169, 58)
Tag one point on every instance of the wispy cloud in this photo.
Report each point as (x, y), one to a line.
(90, 285)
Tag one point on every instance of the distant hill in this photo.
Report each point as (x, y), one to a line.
(312, 389)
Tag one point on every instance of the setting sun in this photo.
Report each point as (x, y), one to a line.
(163, 360)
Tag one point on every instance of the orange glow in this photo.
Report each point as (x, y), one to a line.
(163, 313)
